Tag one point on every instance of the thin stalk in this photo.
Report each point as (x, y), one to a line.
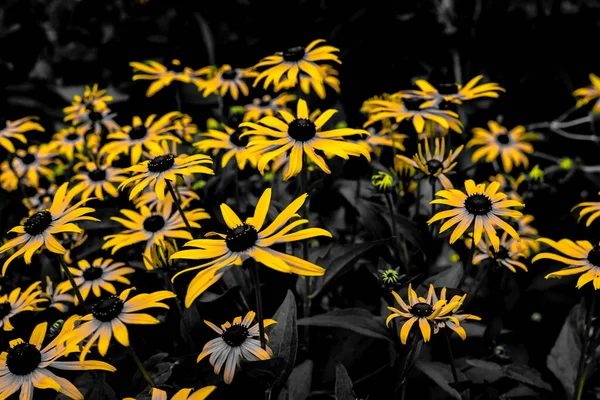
(469, 265)
(451, 356)
(140, 366)
(73, 284)
(574, 136)
(388, 200)
(581, 369)
(176, 201)
(306, 304)
(432, 204)
(574, 122)
(259, 309)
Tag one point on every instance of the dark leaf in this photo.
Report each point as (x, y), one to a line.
(564, 356)
(440, 374)
(449, 277)
(358, 320)
(483, 371)
(263, 370)
(190, 320)
(298, 386)
(284, 341)
(158, 368)
(527, 375)
(209, 297)
(343, 384)
(338, 257)
(521, 391)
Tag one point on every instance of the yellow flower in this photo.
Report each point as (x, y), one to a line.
(110, 317)
(183, 394)
(92, 99)
(588, 207)
(581, 257)
(184, 129)
(96, 121)
(163, 76)
(266, 106)
(385, 137)
(329, 77)
(511, 146)
(150, 199)
(504, 256)
(24, 366)
(72, 140)
(31, 163)
(587, 94)
(301, 135)
(39, 229)
(16, 302)
(237, 340)
(509, 185)
(249, 239)
(227, 80)
(479, 207)
(230, 140)
(288, 64)
(453, 319)
(15, 130)
(98, 179)
(527, 243)
(56, 296)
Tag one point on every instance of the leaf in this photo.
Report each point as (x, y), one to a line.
(189, 321)
(440, 374)
(483, 371)
(527, 375)
(284, 341)
(338, 257)
(263, 370)
(449, 277)
(159, 370)
(209, 297)
(564, 356)
(357, 320)
(343, 384)
(299, 384)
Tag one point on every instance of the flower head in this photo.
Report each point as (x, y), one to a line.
(266, 106)
(16, 302)
(162, 75)
(227, 80)
(589, 93)
(97, 179)
(14, 130)
(505, 256)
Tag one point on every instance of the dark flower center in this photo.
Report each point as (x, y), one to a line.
(238, 141)
(229, 75)
(434, 166)
(176, 67)
(265, 102)
(161, 163)
(421, 310)
(241, 238)
(137, 132)
(236, 335)
(5, 309)
(294, 54)
(412, 104)
(507, 189)
(108, 309)
(23, 359)
(97, 175)
(72, 137)
(448, 88)
(594, 256)
(154, 223)
(94, 116)
(503, 138)
(28, 159)
(92, 273)
(478, 204)
(38, 222)
(302, 129)
(501, 254)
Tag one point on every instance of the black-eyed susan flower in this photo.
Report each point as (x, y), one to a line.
(152, 227)
(288, 64)
(581, 257)
(434, 165)
(498, 142)
(480, 208)
(266, 106)
(454, 93)
(39, 228)
(98, 276)
(92, 98)
(162, 168)
(184, 128)
(329, 77)
(183, 394)
(509, 185)
(97, 180)
(33, 163)
(227, 80)
(41, 199)
(453, 319)
(71, 241)
(405, 176)
(238, 340)
(301, 135)
(161, 75)
(24, 366)
(14, 130)
(230, 140)
(110, 317)
(56, 295)
(16, 302)
(141, 135)
(149, 199)
(8, 180)
(410, 109)
(160, 255)
(504, 256)
(95, 121)
(248, 239)
(589, 93)
(385, 137)
(527, 243)
(421, 310)
(591, 209)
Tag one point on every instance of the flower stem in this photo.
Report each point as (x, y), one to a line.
(451, 356)
(259, 310)
(176, 201)
(582, 368)
(388, 200)
(140, 366)
(73, 284)
(469, 265)
(306, 304)
(432, 204)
